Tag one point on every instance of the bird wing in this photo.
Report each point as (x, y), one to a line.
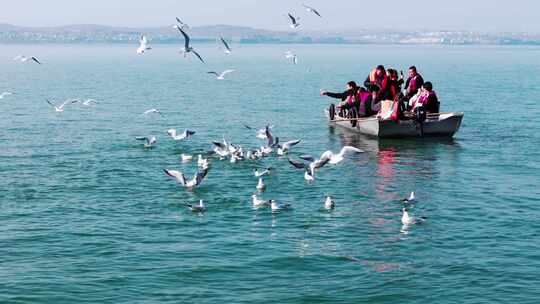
(142, 138)
(295, 59)
(247, 127)
(199, 176)
(269, 136)
(226, 72)
(179, 21)
(35, 60)
(213, 73)
(290, 143)
(325, 158)
(50, 103)
(219, 145)
(189, 132)
(198, 56)
(69, 101)
(293, 20)
(225, 44)
(179, 176)
(349, 150)
(307, 158)
(186, 38)
(297, 164)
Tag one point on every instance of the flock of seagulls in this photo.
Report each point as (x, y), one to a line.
(224, 150)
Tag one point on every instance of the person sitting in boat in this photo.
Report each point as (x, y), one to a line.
(394, 84)
(414, 83)
(428, 99)
(378, 78)
(350, 98)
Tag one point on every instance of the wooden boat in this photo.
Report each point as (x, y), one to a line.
(435, 125)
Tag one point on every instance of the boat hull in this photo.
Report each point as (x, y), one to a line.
(439, 125)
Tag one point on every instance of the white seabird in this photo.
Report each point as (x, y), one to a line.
(311, 10)
(89, 102)
(294, 21)
(181, 179)
(187, 47)
(284, 149)
(260, 185)
(227, 49)
(258, 173)
(337, 158)
(143, 45)
(411, 198)
(291, 55)
(310, 168)
(220, 76)
(199, 208)
(258, 203)
(152, 111)
(329, 203)
(149, 141)
(23, 58)
(4, 94)
(185, 135)
(408, 220)
(61, 107)
(275, 207)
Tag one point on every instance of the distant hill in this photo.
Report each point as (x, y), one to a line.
(92, 33)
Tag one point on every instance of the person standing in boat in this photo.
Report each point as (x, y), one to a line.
(414, 83)
(377, 77)
(394, 84)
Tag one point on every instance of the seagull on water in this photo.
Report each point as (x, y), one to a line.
(181, 25)
(61, 107)
(185, 135)
(185, 157)
(227, 49)
(199, 208)
(258, 203)
(329, 203)
(409, 199)
(294, 21)
(408, 220)
(152, 111)
(311, 10)
(261, 186)
(4, 94)
(187, 48)
(149, 141)
(143, 45)
(222, 75)
(291, 55)
(258, 173)
(181, 179)
(275, 207)
(23, 58)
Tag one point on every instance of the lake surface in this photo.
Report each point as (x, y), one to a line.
(88, 216)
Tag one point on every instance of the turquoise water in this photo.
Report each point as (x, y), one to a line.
(87, 215)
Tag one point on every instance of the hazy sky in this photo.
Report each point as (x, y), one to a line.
(484, 15)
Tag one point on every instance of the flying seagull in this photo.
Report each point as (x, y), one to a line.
(149, 140)
(61, 107)
(291, 55)
(284, 149)
(311, 10)
(185, 135)
(222, 75)
(181, 179)
(226, 45)
(151, 111)
(143, 45)
(337, 158)
(187, 47)
(199, 208)
(4, 94)
(181, 24)
(23, 58)
(310, 168)
(294, 21)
